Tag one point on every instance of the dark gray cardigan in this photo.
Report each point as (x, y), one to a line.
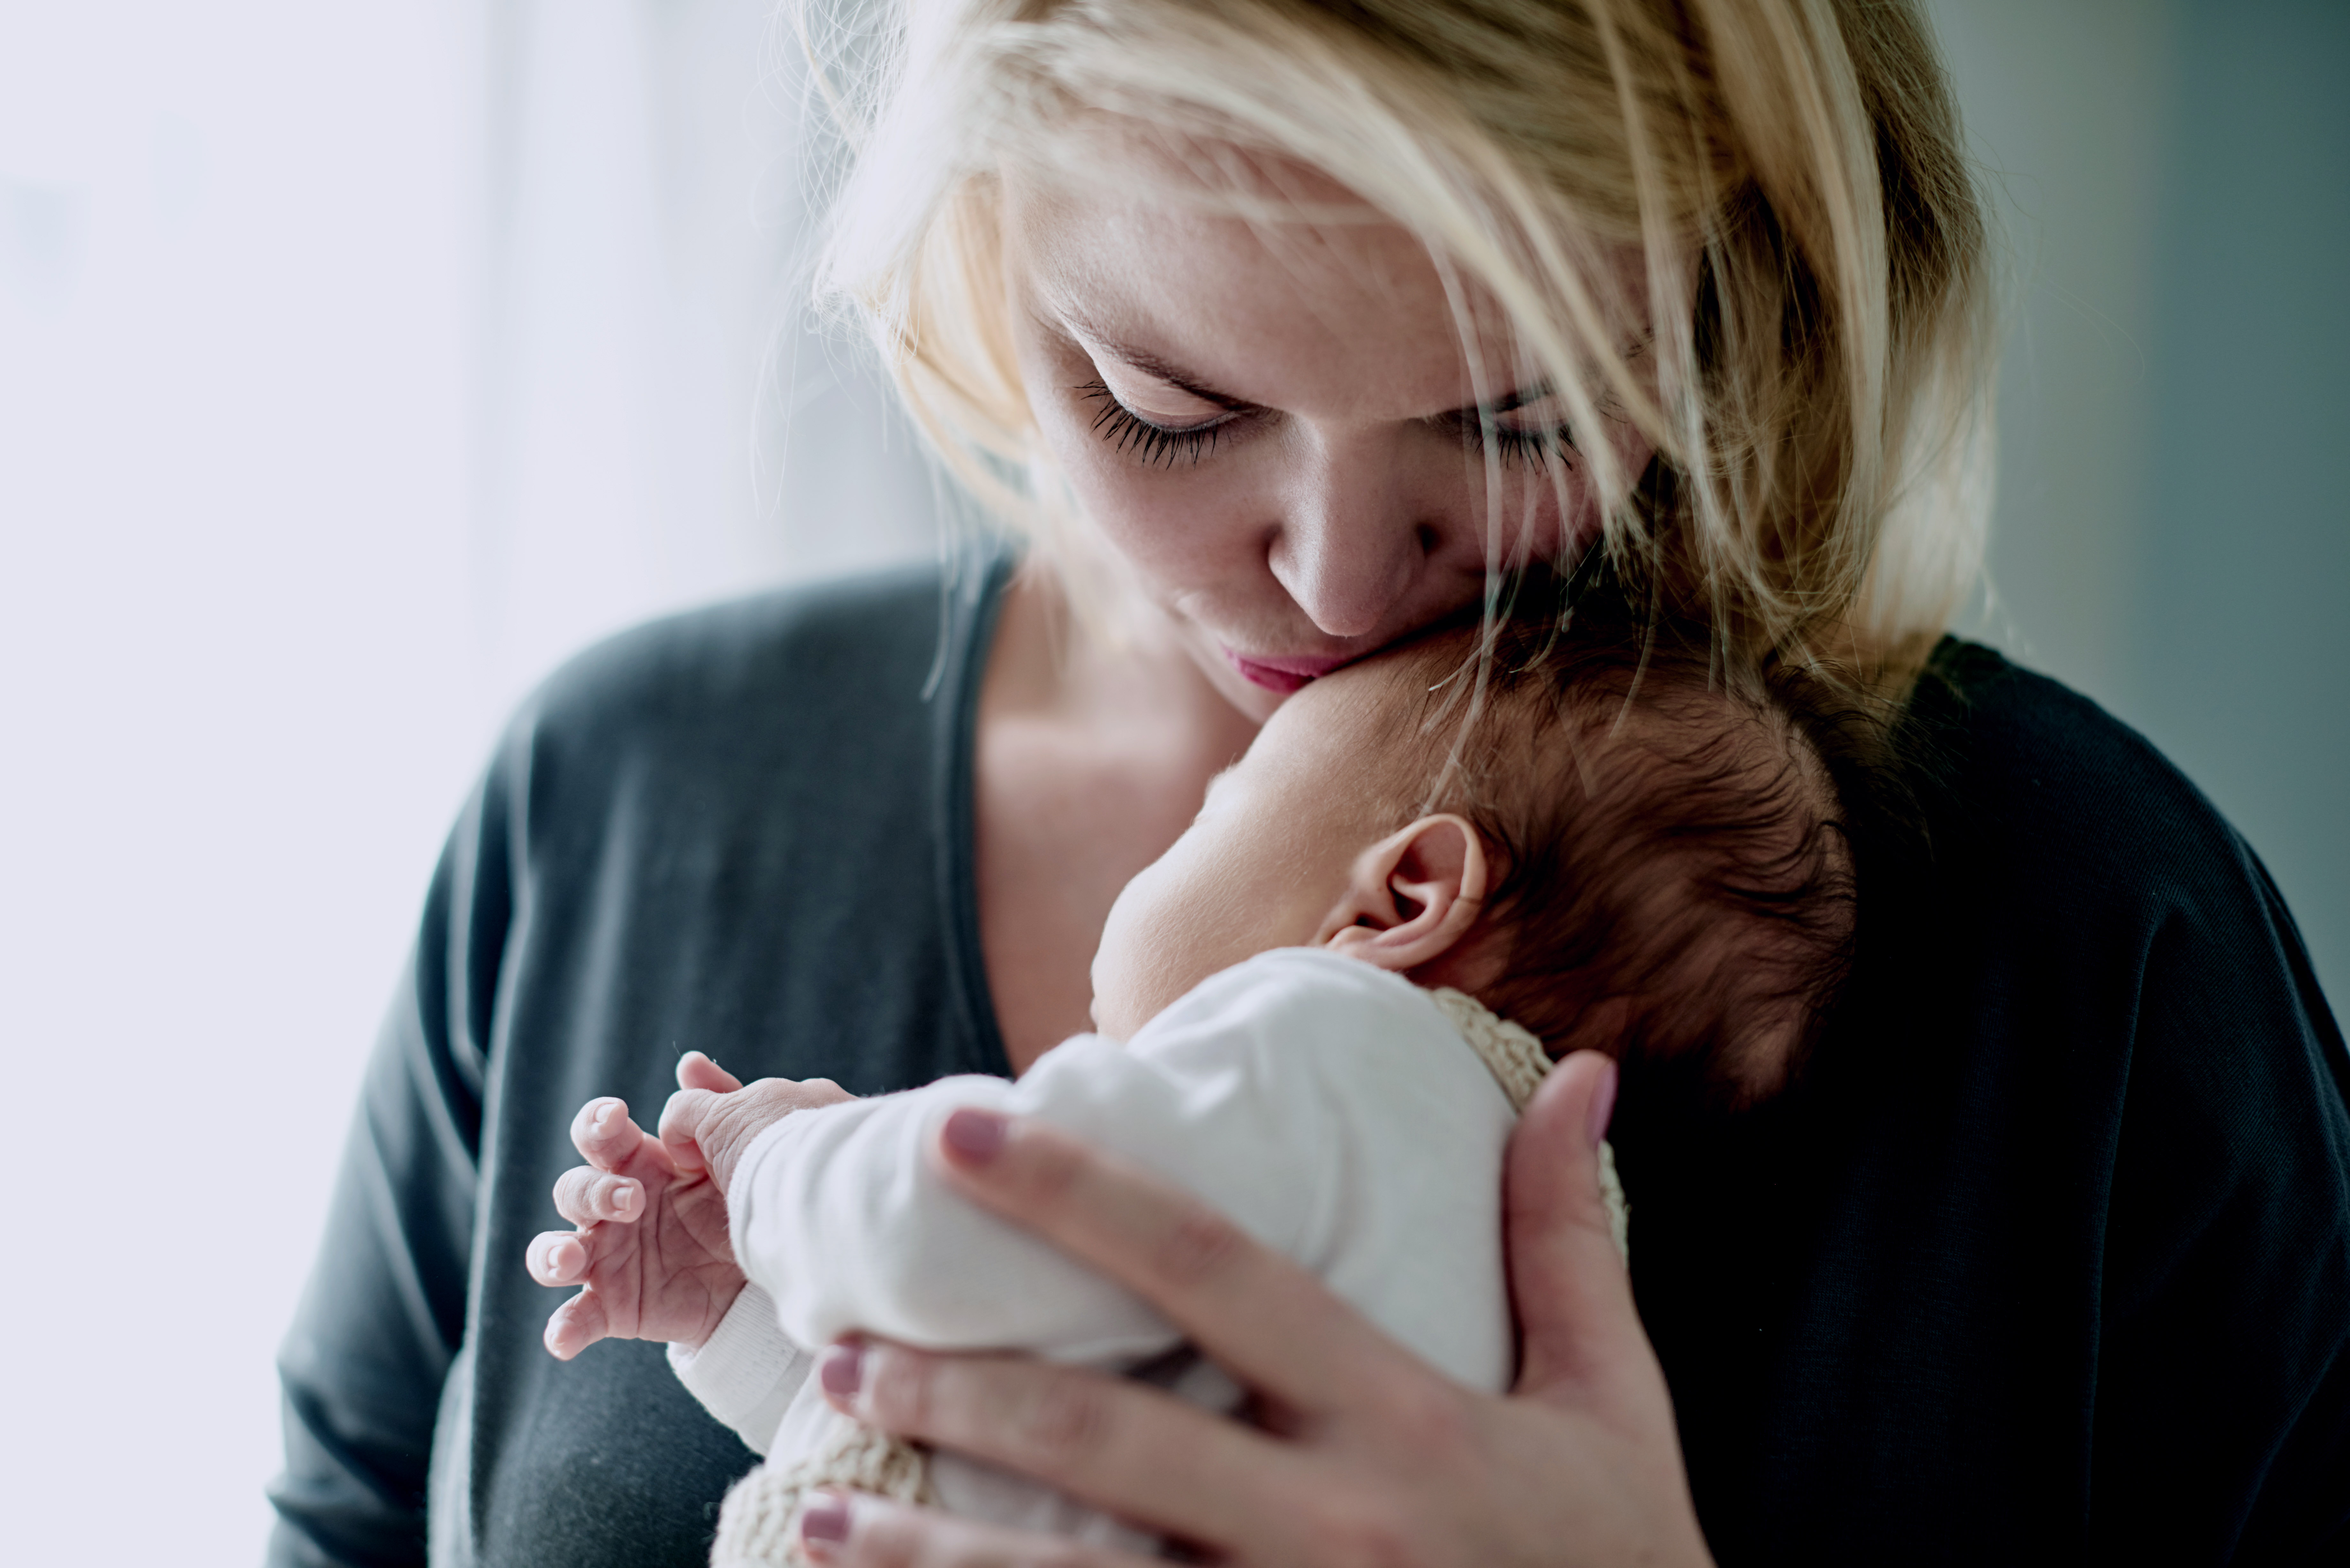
(2047, 1257)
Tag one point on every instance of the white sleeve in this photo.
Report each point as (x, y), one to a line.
(746, 1372)
(842, 1214)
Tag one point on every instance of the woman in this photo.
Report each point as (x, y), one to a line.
(1281, 328)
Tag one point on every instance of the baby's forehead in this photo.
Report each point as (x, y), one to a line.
(1355, 719)
(1350, 701)
(1372, 716)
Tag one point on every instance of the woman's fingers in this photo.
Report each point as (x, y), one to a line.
(586, 1196)
(1135, 1451)
(846, 1531)
(1264, 1319)
(1573, 1296)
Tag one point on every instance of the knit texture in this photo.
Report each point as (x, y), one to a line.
(1519, 1064)
(758, 1525)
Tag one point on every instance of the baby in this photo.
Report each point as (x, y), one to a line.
(1320, 1012)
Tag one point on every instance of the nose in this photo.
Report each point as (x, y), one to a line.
(1350, 543)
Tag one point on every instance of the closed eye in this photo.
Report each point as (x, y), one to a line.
(1502, 425)
(1154, 443)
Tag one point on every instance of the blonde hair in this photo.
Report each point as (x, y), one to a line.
(1788, 169)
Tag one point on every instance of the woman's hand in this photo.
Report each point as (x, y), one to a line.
(651, 1250)
(1365, 1455)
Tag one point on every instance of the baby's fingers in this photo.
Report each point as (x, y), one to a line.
(696, 1071)
(557, 1257)
(584, 1195)
(604, 1135)
(576, 1324)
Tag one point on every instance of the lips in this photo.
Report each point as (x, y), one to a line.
(1282, 675)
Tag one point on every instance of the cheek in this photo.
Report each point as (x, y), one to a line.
(1537, 513)
(1180, 524)
(1543, 515)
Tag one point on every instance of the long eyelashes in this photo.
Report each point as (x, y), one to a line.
(1523, 446)
(1153, 444)
(1157, 446)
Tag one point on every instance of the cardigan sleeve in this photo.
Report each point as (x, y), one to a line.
(384, 1313)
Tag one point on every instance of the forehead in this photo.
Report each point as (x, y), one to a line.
(1336, 308)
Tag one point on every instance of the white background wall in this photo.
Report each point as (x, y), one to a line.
(358, 361)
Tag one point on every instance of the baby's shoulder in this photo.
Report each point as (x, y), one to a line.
(1305, 993)
(1311, 1022)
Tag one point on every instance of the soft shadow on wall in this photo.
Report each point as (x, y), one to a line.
(2173, 534)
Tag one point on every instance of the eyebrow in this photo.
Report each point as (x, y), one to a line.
(1176, 376)
(1190, 382)
(1166, 370)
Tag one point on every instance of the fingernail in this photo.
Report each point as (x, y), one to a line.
(824, 1520)
(624, 1199)
(844, 1369)
(976, 1135)
(1603, 1103)
(603, 1115)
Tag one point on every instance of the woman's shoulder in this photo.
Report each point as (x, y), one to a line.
(2063, 1201)
(2066, 861)
(816, 680)
(838, 643)
(2020, 768)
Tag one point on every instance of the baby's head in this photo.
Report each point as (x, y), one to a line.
(1628, 850)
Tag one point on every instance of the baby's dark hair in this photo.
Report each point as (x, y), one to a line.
(1673, 876)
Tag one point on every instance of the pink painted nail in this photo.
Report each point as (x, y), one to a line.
(1603, 1103)
(975, 1136)
(824, 1520)
(844, 1368)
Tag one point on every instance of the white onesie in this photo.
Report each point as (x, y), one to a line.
(1334, 1111)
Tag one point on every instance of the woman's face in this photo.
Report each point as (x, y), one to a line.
(1277, 427)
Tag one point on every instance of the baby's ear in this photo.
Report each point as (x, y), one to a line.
(1411, 897)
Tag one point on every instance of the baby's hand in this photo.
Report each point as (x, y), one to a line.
(651, 1249)
(706, 1128)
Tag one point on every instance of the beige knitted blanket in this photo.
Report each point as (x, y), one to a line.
(758, 1524)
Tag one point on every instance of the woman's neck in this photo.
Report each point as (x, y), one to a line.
(1093, 755)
